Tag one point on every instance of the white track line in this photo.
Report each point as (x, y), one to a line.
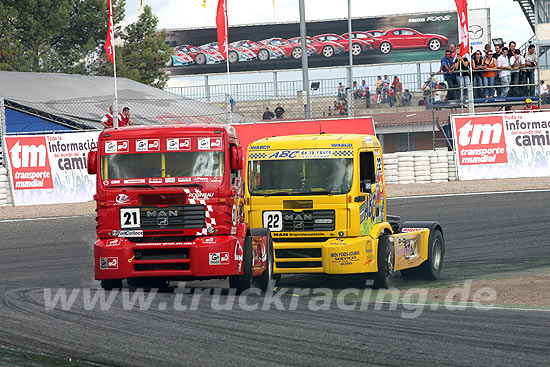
(438, 306)
(44, 218)
(469, 194)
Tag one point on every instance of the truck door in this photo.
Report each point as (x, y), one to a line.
(369, 182)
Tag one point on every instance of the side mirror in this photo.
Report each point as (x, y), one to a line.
(92, 162)
(236, 158)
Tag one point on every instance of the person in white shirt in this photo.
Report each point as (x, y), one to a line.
(437, 95)
(517, 62)
(543, 92)
(503, 63)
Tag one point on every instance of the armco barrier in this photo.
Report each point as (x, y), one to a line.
(5, 191)
(421, 166)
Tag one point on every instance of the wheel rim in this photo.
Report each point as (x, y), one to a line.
(328, 51)
(434, 45)
(263, 55)
(297, 53)
(436, 254)
(385, 48)
(233, 57)
(389, 264)
(355, 49)
(200, 59)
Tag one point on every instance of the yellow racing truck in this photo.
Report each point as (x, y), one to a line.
(323, 198)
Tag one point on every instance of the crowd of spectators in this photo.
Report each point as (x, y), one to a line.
(279, 113)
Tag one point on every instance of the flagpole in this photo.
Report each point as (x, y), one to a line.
(471, 107)
(115, 110)
(228, 96)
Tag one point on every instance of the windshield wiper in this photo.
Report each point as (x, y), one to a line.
(289, 193)
(190, 185)
(140, 185)
(319, 192)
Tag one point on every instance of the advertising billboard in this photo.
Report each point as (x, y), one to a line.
(376, 40)
(502, 146)
(49, 169)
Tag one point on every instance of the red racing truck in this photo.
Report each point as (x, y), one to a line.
(170, 206)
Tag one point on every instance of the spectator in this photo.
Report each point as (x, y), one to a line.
(511, 49)
(437, 94)
(332, 109)
(391, 96)
(268, 115)
(498, 50)
(477, 71)
(356, 91)
(463, 68)
(367, 97)
(496, 55)
(503, 63)
(341, 91)
(529, 106)
(448, 67)
(342, 110)
(489, 74)
(279, 112)
(487, 48)
(363, 88)
(517, 62)
(531, 61)
(426, 93)
(406, 98)
(231, 103)
(543, 92)
(385, 88)
(452, 48)
(398, 88)
(107, 120)
(124, 117)
(379, 85)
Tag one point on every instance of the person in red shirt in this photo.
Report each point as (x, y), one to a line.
(107, 120)
(529, 106)
(124, 117)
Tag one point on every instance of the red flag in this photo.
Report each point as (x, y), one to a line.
(463, 34)
(109, 44)
(221, 24)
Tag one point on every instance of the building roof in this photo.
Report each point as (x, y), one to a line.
(83, 100)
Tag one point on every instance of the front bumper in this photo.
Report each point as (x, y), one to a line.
(333, 256)
(205, 257)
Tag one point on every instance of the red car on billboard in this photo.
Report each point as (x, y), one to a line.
(291, 49)
(235, 54)
(361, 36)
(326, 48)
(263, 52)
(357, 46)
(403, 38)
(201, 56)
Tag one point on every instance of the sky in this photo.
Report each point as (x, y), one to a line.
(507, 20)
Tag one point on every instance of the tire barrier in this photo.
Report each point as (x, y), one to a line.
(423, 166)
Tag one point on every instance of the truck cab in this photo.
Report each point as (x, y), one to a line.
(323, 199)
(170, 206)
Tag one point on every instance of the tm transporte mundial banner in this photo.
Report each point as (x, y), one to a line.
(49, 169)
(502, 146)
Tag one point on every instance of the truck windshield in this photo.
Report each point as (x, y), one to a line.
(300, 176)
(172, 164)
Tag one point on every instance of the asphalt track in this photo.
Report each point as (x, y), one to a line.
(484, 234)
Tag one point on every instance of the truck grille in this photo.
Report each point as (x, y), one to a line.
(173, 217)
(308, 220)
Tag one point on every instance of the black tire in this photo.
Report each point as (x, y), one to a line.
(200, 59)
(385, 47)
(233, 57)
(277, 279)
(327, 51)
(434, 44)
(266, 278)
(431, 268)
(386, 261)
(296, 53)
(109, 284)
(243, 281)
(263, 55)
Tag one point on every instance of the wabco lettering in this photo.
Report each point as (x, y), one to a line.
(261, 147)
(342, 145)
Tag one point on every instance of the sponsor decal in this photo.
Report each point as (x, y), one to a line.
(200, 179)
(170, 180)
(30, 163)
(323, 221)
(113, 242)
(108, 263)
(260, 147)
(115, 182)
(234, 215)
(106, 182)
(178, 144)
(148, 145)
(130, 233)
(155, 180)
(135, 181)
(122, 199)
(481, 140)
(412, 229)
(210, 144)
(199, 195)
(117, 146)
(218, 258)
(344, 257)
(342, 145)
(239, 254)
(209, 240)
(164, 244)
(295, 234)
(184, 179)
(131, 259)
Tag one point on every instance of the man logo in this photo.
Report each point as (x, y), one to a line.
(162, 221)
